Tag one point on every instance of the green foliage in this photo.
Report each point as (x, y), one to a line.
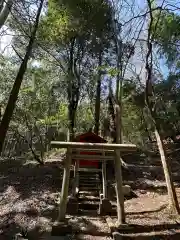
(68, 19)
(84, 118)
(166, 33)
(133, 124)
(65, 60)
(55, 26)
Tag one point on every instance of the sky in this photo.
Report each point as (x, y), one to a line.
(129, 10)
(5, 41)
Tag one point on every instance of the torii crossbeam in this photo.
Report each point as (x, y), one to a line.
(117, 148)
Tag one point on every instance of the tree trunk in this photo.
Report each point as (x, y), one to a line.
(118, 173)
(98, 95)
(173, 202)
(111, 111)
(73, 88)
(146, 125)
(71, 119)
(17, 84)
(30, 145)
(119, 93)
(4, 13)
(1, 5)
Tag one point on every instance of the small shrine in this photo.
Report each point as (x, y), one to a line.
(89, 137)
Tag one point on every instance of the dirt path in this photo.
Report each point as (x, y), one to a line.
(28, 196)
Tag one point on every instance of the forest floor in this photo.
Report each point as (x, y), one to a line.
(29, 193)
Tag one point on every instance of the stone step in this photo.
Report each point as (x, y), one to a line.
(143, 232)
(85, 179)
(89, 188)
(89, 176)
(88, 198)
(91, 237)
(66, 237)
(89, 170)
(88, 184)
(85, 205)
(148, 236)
(88, 173)
(89, 179)
(89, 213)
(93, 193)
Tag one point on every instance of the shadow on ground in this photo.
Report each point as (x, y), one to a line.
(27, 196)
(28, 178)
(28, 192)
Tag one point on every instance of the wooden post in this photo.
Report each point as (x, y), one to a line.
(173, 201)
(104, 179)
(65, 187)
(118, 174)
(76, 178)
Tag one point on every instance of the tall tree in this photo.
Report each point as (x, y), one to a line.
(98, 92)
(76, 36)
(17, 83)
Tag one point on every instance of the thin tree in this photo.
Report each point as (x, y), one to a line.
(173, 202)
(98, 91)
(17, 83)
(118, 114)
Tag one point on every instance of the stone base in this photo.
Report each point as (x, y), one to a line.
(126, 190)
(20, 237)
(124, 227)
(61, 229)
(117, 236)
(101, 196)
(105, 207)
(72, 205)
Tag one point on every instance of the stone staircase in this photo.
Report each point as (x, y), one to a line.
(89, 191)
(89, 182)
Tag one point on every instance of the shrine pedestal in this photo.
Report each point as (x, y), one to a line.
(105, 207)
